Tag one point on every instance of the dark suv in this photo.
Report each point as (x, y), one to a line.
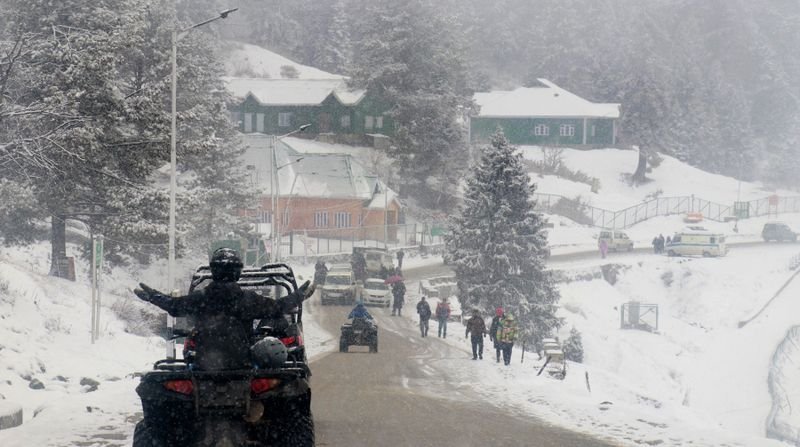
(778, 232)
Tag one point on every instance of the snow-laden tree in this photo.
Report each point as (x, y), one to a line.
(407, 54)
(93, 80)
(497, 244)
(573, 346)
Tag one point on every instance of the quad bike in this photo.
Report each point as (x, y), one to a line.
(266, 405)
(360, 332)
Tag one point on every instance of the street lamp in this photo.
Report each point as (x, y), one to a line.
(274, 189)
(173, 161)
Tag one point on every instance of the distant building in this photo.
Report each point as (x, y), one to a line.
(544, 115)
(329, 194)
(335, 112)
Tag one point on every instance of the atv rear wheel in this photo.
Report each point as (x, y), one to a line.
(294, 429)
(342, 345)
(373, 347)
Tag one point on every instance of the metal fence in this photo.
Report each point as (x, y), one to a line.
(586, 214)
(324, 241)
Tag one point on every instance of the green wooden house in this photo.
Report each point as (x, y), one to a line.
(279, 106)
(544, 115)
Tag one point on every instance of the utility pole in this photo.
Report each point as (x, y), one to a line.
(173, 161)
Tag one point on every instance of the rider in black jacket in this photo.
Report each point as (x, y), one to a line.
(223, 313)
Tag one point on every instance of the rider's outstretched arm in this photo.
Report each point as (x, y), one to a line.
(175, 306)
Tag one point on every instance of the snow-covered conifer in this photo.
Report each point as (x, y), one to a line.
(497, 243)
(573, 346)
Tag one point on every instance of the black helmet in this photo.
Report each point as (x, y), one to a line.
(226, 265)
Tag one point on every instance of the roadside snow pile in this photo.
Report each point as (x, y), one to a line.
(784, 385)
(700, 368)
(70, 390)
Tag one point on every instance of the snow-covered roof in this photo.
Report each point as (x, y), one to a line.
(295, 92)
(325, 175)
(382, 198)
(549, 100)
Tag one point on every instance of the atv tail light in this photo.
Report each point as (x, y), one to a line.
(180, 386)
(258, 386)
(289, 341)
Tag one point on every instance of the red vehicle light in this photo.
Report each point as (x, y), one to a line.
(289, 341)
(180, 386)
(258, 386)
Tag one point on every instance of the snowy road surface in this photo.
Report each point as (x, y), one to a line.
(402, 397)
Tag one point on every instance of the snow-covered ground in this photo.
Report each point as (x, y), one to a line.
(246, 60)
(699, 380)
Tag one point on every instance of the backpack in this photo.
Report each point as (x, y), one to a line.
(442, 310)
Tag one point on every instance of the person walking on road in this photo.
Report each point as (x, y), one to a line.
(603, 245)
(493, 328)
(424, 311)
(661, 243)
(477, 327)
(400, 255)
(655, 245)
(442, 314)
(507, 334)
(399, 293)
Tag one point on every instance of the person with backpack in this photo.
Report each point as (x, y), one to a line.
(493, 328)
(399, 293)
(424, 311)
(507, 335)
(442, 314)
(477, 327)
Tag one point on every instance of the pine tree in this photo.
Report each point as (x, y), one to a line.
(573, 346)
(407, 55)
(497, 244)
(95, 79)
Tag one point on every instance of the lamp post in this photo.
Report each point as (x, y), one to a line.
(177, 35)
(274, 189)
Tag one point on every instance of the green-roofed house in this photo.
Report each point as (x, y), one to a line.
(336, 113)
(544, 115)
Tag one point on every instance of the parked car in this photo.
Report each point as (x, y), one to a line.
(778, 231)
(697, 243)
(376, 293)
(339, 288)
(616, 240)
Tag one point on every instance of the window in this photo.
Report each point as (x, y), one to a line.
(368, 122)
(321, 219)
(260, 122)
(566, 130)
(541, 130)
(345, 121)
(342, 220)
(379, 122)
(360, 220)
(284, 119)
(594, 130)
(248, 122)
(264, 216)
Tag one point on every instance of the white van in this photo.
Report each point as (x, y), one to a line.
(616, 240)
(697, 243)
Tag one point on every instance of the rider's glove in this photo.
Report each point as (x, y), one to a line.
(146, 293)
(293, 300)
